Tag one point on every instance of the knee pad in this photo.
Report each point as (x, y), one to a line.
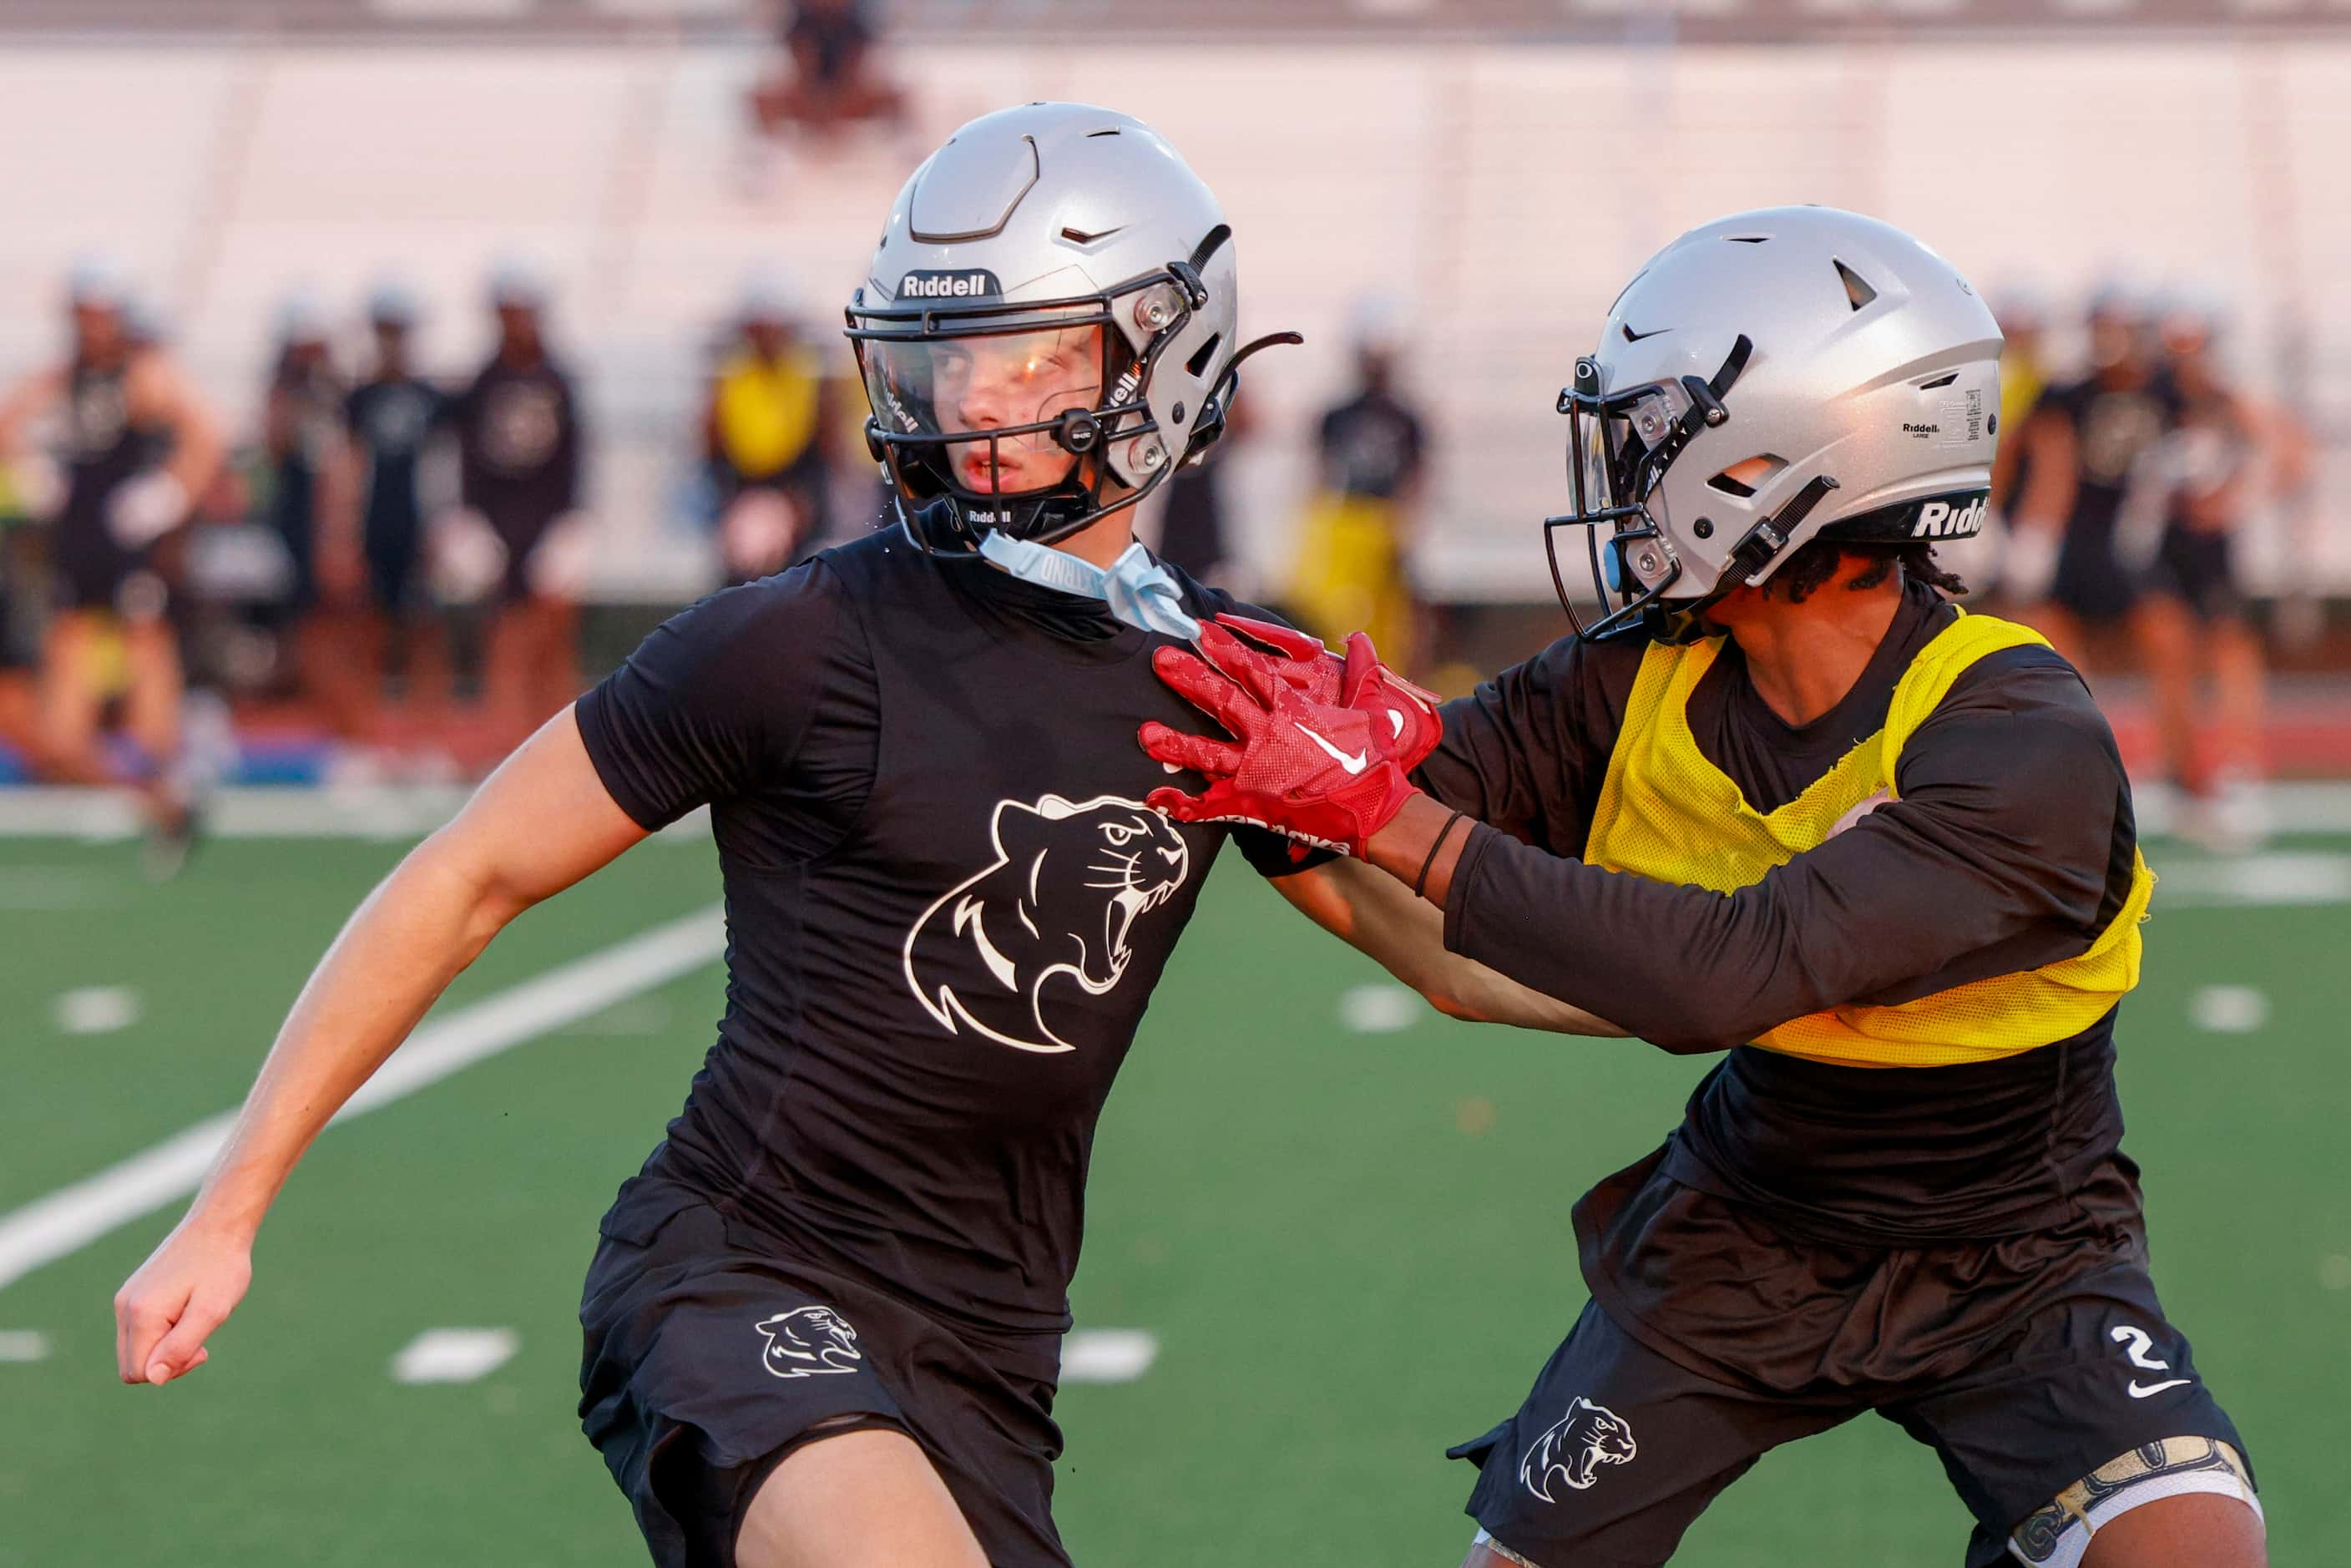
(2057, 1534)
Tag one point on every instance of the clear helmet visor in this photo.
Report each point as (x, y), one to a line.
(992, 404)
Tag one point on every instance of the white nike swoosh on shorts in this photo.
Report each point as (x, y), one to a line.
(2153, 1388)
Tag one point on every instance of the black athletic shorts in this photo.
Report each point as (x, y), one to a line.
(2091, 582)
(710, 1355)
(2198, 566)
(1620, 1447)
(87, 570)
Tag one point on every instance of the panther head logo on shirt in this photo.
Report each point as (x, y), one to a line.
(808, 1340)
(1068, 882)
(1588, 1437)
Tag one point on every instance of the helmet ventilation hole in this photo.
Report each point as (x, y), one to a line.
(1744, 478)
(1747, 239)
(1857, 287)
(1198, 365)
(1091, 134)
(1939, 381)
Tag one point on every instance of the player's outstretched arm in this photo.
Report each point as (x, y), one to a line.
(1380, 915)
(541, 823)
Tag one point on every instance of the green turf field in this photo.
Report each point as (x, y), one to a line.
(1352, 1247)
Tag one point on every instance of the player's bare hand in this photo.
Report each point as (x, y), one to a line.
(185, 1291)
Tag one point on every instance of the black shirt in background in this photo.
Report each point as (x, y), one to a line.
(390, 422)
(2115, 428)
(518, 442)
(2008, 848)
(1371, 446)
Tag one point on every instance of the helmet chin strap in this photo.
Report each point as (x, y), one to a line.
(1138, 590)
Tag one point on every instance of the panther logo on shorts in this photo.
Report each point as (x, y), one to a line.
(1588, 1437)
(808, 1340)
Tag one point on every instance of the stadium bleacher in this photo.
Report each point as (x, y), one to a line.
(229, 171)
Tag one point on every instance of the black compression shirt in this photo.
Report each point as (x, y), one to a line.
(2010, 847)
(946, 907)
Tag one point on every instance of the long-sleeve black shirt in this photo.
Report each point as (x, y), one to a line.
(2009, 847)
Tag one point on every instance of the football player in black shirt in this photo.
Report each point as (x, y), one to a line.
(2089, 445)
(302, 446)
(520, 454)
(138, 446)
(1356, 539)
(1805, 812)
(823, 1326)
(2204, 478)
(391, 417)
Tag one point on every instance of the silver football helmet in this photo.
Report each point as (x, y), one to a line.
(1769, 378)
(1048, 328)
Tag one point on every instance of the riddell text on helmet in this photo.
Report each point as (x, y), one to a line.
(962, 283)
(1941, 520)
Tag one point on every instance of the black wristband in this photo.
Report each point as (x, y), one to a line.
(1420, 882)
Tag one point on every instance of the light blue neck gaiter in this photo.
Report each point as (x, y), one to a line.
(1138, 590)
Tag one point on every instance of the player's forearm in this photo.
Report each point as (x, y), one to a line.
(422, 926)
(1553, 928)
(1380, 918)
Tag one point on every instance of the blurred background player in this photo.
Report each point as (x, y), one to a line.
(303, 480)
(21, 582)
(134, 444)
(1351, 573)
(2201, 481)
(518, 444)
(389, 419)
(764, 433)
(2023, 319)
(2083, 572)
(834, 81)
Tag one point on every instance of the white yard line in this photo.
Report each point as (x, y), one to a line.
(455, 1356)
(386, 812)
(72, 1217)
(2277, 878)
(1108, 1355)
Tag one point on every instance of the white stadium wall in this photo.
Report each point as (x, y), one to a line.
(1499, 193)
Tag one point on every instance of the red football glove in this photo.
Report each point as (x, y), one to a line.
(1320, 760)
(1404, 712)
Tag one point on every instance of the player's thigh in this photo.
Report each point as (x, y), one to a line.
(2193, 1530)
(70, 695)
(151, 653)
(861, 1496)
(1617, 1449)
(2091, 1411)
(2164, 630)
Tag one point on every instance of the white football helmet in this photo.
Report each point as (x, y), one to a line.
(1769, 378)
(1070, 253)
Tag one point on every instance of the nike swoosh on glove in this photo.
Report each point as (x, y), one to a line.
(1324, 767)
(1404, 712)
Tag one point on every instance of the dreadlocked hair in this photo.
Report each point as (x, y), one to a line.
(1816, 561)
